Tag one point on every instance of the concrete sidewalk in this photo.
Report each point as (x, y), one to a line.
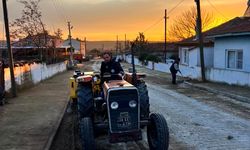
(238, 93)
(30, 121)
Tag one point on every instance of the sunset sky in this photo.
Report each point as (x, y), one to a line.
(105, 19)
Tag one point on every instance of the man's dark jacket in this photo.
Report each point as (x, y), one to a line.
(172, 68)
(111, 67)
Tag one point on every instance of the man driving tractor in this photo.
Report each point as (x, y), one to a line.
(111, 67)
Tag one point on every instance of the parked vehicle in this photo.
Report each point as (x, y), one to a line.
(78, 57)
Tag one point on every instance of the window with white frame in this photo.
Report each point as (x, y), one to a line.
(185, 56)
(234, 59)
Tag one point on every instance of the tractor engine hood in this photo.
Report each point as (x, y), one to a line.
(123, 109)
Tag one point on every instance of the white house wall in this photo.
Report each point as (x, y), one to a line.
(228, 76)
(208, 56)
(162, 67)
(221, 44)
(193, 58)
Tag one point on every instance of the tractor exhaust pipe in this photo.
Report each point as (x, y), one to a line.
(134, 79)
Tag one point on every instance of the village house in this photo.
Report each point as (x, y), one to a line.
(226, 53)
(77, 44)
(39, 40)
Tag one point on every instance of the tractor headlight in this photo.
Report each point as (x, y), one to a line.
(132, 103)
(114, 105)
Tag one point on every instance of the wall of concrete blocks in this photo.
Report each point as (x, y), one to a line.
(29, 74)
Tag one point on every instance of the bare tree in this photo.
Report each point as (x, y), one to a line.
(142, 49)
(30, 25)
(184, 26)
(58, 33)
(140, 44)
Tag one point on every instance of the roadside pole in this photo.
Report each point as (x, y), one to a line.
(6, 22)
(199, 32)
(116, 46)
(134, 80)
(70, 44)
(165, 35)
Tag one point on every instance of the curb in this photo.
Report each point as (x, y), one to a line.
(55, 129)
(237, 97)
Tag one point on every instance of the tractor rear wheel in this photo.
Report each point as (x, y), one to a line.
(144, 100)
(84, 101)
(157, 132)
(87, 134)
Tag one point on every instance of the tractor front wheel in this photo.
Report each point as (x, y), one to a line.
(157, 132)
(87, 134)
(84, 101)
(144, 100)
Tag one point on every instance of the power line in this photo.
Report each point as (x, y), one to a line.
(62, 7)
(157, 22)
(175, 6)
(57, 10)
(62, 16)
(217, 10)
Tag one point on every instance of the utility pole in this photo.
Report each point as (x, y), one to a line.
(199, 32)
(70, 44)
(165, 45)
(85, 46)
(116, 45)
(134, 80)
(125, 42)
(6, 21)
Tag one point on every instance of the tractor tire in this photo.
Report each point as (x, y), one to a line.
(144, 100)
(85, 103)
(157, 132)
(87, 134)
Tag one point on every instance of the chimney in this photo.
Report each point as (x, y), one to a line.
(247, 12)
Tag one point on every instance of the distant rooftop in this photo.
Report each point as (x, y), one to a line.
(236, 26)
